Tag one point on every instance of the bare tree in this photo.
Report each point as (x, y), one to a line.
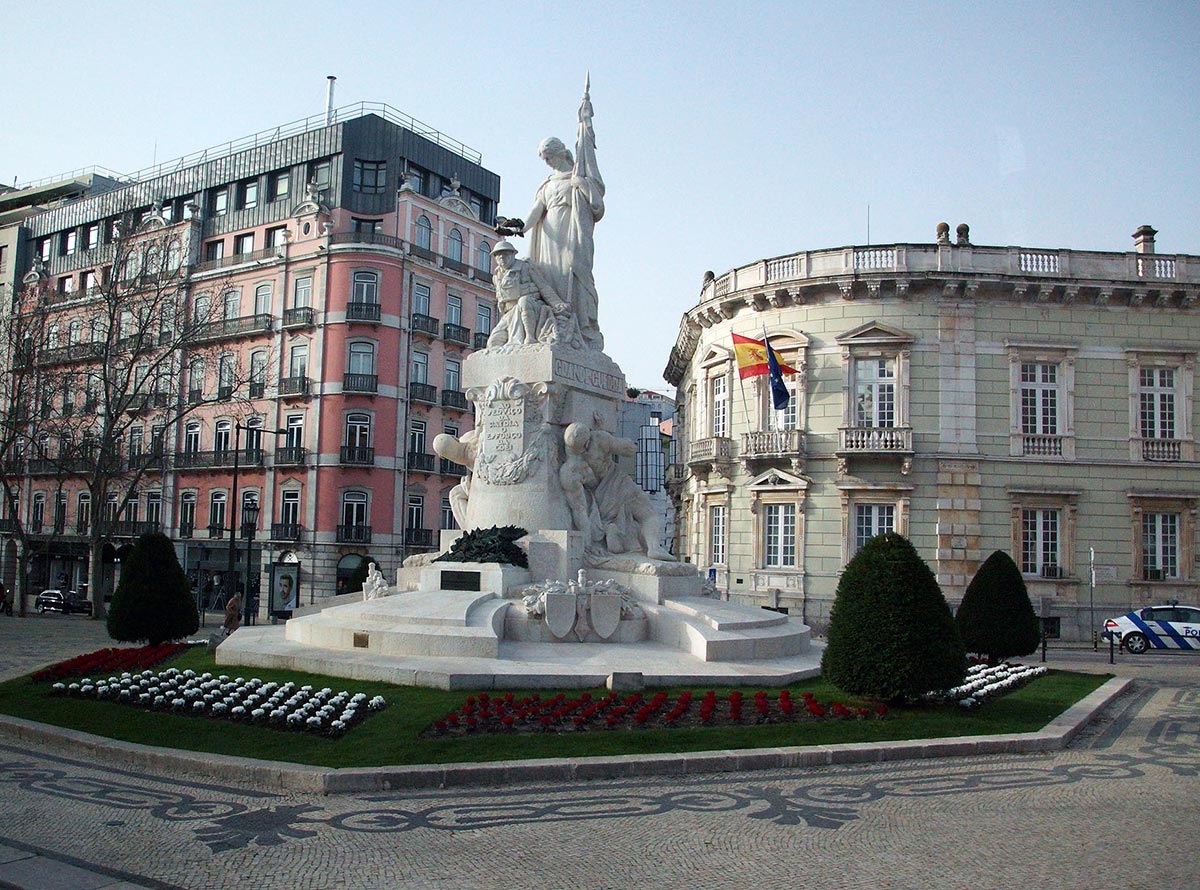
(131, 352)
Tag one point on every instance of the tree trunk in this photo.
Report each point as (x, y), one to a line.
(96, 578)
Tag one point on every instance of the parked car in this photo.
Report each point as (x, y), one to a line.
(1156, 627)
(65, 601)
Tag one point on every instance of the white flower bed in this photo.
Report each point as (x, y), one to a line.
(984, 682)
(284, 706)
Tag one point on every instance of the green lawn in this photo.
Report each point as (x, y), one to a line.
(391, 736)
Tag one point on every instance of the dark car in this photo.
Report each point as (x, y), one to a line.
(62, 601)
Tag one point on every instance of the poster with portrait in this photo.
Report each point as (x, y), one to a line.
(285, 588)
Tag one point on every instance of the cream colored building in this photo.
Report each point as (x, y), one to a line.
(1038, 401)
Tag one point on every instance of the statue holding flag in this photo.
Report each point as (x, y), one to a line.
(561, 224)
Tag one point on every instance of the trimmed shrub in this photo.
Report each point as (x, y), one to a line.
(153, 601)
(891, 633)
(995, 617)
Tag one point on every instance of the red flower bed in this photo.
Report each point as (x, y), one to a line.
(507, 713)
(110, 661)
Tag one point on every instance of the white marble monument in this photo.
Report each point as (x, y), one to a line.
(600, 594)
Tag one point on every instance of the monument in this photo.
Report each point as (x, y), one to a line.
(544, 457)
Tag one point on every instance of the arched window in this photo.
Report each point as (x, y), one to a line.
(454, 246)
(362, 358)
(222, 436)
(354, 509)
(52, 337)
(217, 501)
(200, 308)
(262, 299)
(483, 257)
(75, 331)
(366, 288)
(225, 377)
(174, 255)
(258, 374)
(358, 430)
(191, 438)
(96, 328)
(187, 514)
(83, 512)
(424, 233)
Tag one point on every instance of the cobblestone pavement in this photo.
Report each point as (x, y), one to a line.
(1120, 805)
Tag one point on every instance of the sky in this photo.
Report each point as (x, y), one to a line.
(726, 132)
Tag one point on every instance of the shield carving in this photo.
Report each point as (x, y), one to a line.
(606, 614)
(560, 613)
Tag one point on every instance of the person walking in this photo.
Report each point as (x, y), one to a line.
(6, 600)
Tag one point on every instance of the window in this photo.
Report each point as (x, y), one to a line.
(354, 509)
(44, 249)
(83, 512)
(231, 302)
(91, 237)
(358, 430)
(416, 178)
(302, 292)
(367, 226)
(298, 361)
(154, 508)
(871, 520)
(244, 244)
(716, 535)
(52, 337)
(289, 508)
(196, 379)
(787, 418)
(201, 308)
(483, 257)
(214, 250)
(779, 542)
(220, 202)
(187, 514)
(321, 172)
(719, 395)
(216, 513)
(1160, 546)
(74, 331)
(225, 377)
(90, 281)
(447, 517)
(454, 310)
(483, 318)
(1041, 531)
(420, 367)
(366, 287)
(279, 184)
(454, 246)
(453, 374)
(295, 431)
(37, 515)
(1156, 403)
(253, 429)
(66, 284)
(277, 236)
(258, 372)
(420, 298)
(361, 359)
(369, 177)
(424, 233)
(247, 195)
(414, 516)
(1042, 387)
(223, 436)
(191, 438)
(875, 392)
(416, 437)
(69, 240)
(262, 299)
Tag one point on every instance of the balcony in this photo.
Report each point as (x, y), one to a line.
(74, 352)
(224, 393)
(186, 530)
(354, 534)
(450, 468)
(715, 453)
(455, 265)
(231, 327)
(425, 324)
(362, 312)
(422, 392)
(258, 390)
(366, 237)
(299, 317)
(1041, 445)
(216, 532)
(195, 396)
(291, 456)
(357, 455)
(773, 445)
(238, 259)
(1052, 571)
(483, 275)
(293, 386)
(418, 537)
(132, 528)
(218, 459)
(481, 340)
(1162, 449)
(423, 253)
(453, 398)
(456, 333)
(422, 462)
(286, 531)
(870, 439)
(8, 526)
(368, 383)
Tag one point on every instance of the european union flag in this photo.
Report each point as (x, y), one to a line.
(779, 391)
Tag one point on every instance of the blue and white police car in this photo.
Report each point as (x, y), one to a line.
(1157, 627)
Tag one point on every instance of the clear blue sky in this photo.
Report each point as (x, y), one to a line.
(726, 132)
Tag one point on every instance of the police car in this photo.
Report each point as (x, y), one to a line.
(1157, 627)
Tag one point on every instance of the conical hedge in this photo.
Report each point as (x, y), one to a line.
(153, 601)
(995, 617)
(891, 633)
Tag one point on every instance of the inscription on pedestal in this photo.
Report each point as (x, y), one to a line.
(456, 580)
(504, 421)
(590, 378)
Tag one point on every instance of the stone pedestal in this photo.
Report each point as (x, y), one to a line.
(525, 396)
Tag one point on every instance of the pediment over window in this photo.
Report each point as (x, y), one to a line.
(875, 333)
(787, 339)
(716, 355)
(776, 479)
(458, 205)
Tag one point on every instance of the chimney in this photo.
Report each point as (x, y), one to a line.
(329, 100)
(1143, 239)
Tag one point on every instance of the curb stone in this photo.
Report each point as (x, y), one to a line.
(291, 777)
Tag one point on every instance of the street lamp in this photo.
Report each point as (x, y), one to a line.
(231, 572)
(249, 525)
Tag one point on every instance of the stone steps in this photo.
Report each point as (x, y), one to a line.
(712, 630)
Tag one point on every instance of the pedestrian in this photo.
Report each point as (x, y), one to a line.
(6, 600)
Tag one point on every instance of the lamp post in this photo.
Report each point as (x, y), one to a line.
(231, 572)
(249, 524)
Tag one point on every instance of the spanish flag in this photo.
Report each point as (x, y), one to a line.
(754, 357)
